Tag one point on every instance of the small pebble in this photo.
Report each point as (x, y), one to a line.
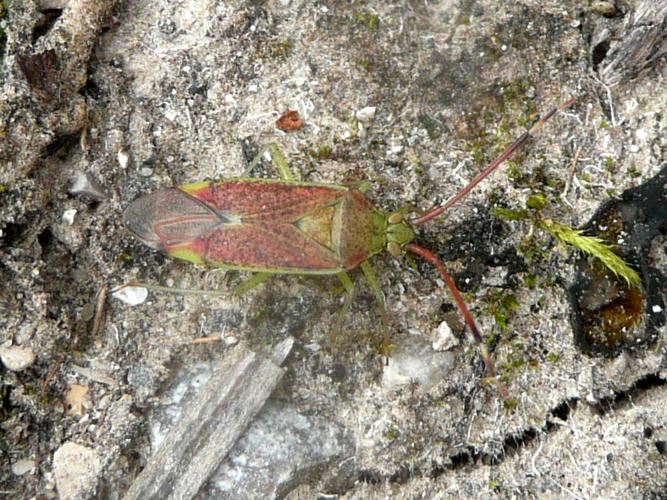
(123, 158)
(443, 338)
(68, 216)
(76, 469)
(171, 115)
(23, 466)
(366, 115)
(132, 295)
(17, 358)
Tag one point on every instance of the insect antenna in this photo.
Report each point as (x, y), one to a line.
(430, 257)
(439, 210)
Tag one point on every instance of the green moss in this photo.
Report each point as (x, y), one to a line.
(282, 49)
(634, 172)
(553, 357)
(537, 202)
(514, 361)
(595, 246)
(511, 404)
(392, 434)
(610, 164)
(530, 280)
(433, 127)
(367, 64)
(322, 153)
(503, 308)
(367, 19)
(509, 214)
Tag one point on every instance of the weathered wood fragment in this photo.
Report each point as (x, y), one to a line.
(199, 442)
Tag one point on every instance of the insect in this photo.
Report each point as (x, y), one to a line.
(287, 226)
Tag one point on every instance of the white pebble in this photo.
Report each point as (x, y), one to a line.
(23, 466)
(443, 338)
(132, 295)
(366, 115)
(76, 469)
(123, 157)
(68, 216)
(17, 358)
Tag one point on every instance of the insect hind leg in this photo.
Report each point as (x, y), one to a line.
(279, 161)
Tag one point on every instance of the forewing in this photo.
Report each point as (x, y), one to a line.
(262, 200)
(170, 217)
(270, 247)
(254, 225)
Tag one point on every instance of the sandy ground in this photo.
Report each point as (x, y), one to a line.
(103, 103)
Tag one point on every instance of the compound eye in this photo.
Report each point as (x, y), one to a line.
(394, 248)
(395, 218)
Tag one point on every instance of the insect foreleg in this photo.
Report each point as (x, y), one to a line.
(374, 283)
(281, 164)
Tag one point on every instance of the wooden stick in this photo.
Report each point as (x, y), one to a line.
(199, 442)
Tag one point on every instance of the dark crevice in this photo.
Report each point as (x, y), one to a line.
(513, 443)
(562, 411)
(45, 239)
(661, 446)
(598, 54)
(61, 146)
(46, 22)
(622, 398)
(13, 233)
(369, 476)
(402, 476)
(462, 459)
(90, 89)
(609, 316)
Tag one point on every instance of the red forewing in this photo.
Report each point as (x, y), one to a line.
(251, 224)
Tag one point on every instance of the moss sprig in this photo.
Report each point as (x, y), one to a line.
(594, 246)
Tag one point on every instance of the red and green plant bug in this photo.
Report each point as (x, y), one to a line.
(292, 227)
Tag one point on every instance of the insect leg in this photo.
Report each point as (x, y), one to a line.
(250, 283)
(278, 159)
(281, 164)
(350, 293)
(248, 171)
(374, 283)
